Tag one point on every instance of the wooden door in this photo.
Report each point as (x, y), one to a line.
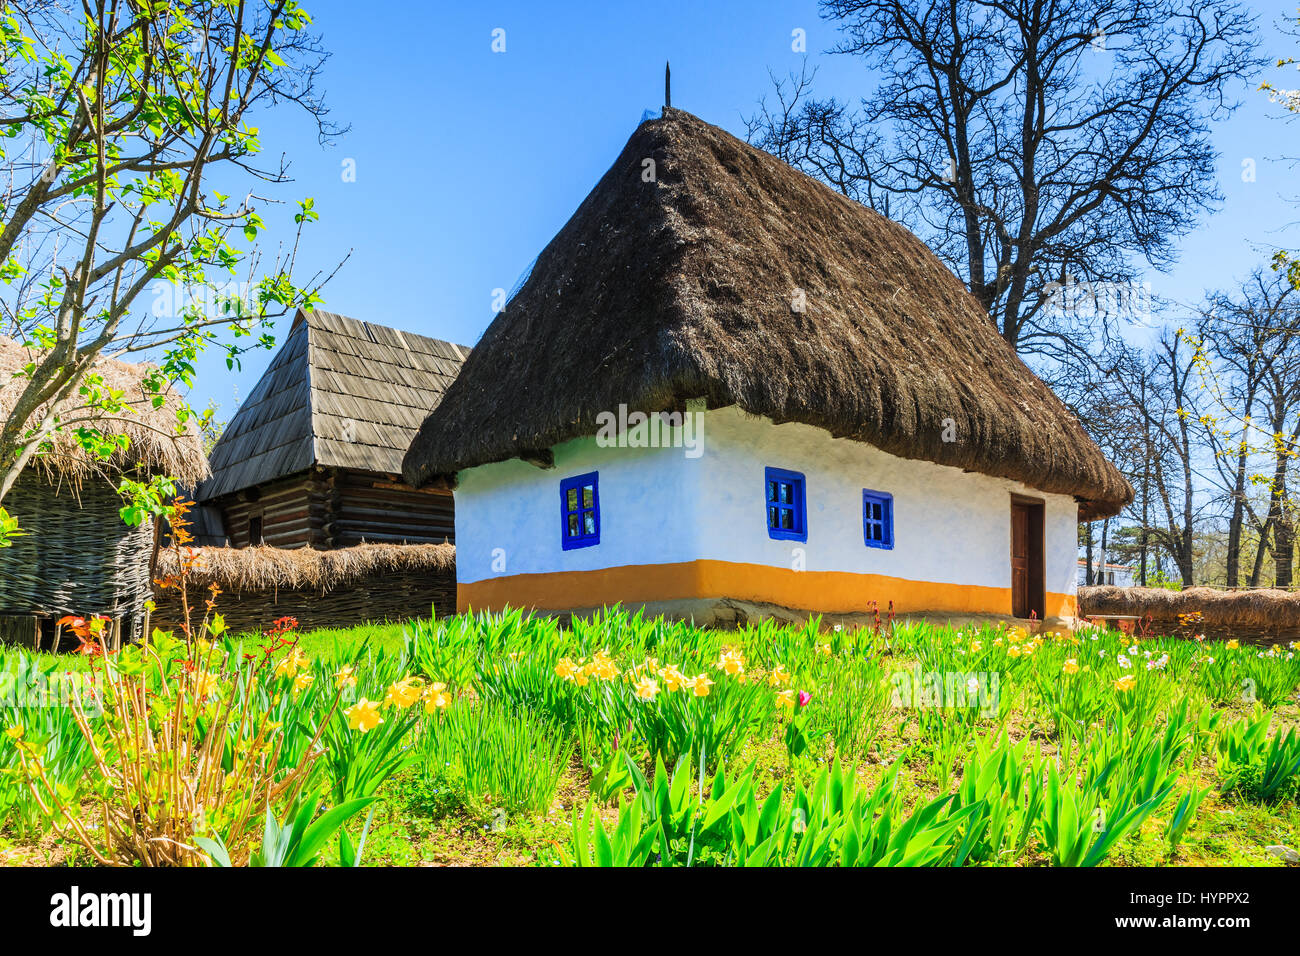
(1027, 559)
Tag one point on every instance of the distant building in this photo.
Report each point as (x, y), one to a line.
(1119, 575)
(313, 458)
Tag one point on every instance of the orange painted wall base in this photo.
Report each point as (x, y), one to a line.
(826, 591)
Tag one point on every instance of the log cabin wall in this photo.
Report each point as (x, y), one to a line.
(331, 508)
(385, 510)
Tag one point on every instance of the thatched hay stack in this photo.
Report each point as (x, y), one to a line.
(340, 588)
(75, 555)
(155, 445)
(262, 568)
(1263, 613)
(736, 279)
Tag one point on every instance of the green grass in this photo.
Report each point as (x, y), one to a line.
(333, 644)
(496, 776)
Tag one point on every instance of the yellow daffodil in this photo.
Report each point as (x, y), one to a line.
(1071, 666)
(824, 650)
(673, 679)
(603, 666)
(363, 715)
(15, 732)
(785, 698)
(700, 685)
(1127, 682)
(565, 669)
(731, 662)
(1233, 644)
(292, 664)
(436, 698)
(647, 688)
(403, 694)
(1013, 651)
(345, 678)
(779, 677)
(302, 682)
(976, 646)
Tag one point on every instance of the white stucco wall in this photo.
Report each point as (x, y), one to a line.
(659, 506)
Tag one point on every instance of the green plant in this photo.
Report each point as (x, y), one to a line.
(510, 758)
(1258, 767)
(299, 840)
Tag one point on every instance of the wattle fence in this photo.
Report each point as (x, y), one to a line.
(341, 588)
(1258, 615)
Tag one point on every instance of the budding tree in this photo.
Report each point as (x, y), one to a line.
(119, 120)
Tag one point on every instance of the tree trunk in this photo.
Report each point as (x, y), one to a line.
(1258, 569)
(1237, 520)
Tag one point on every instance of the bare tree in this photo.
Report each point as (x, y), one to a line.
(1038, 146)
(1248, 339)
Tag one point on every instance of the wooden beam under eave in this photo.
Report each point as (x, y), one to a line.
(542, 459)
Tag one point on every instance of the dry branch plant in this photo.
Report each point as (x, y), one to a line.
(185, 742)
(178, 757)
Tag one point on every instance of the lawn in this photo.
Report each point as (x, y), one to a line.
(511, 740)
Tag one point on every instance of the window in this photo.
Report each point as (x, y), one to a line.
(787, 509)
(254, 529)
(877, 519)
(579, 512)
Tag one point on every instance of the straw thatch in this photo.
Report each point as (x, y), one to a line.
(339, 393)
(155, 445)
(349, 586)
(236, 569)
(689, 286)
(1265, 612)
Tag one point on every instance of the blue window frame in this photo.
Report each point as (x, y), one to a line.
(787, 504)
(579, 511)
(877, 519)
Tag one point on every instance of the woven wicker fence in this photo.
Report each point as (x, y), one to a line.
(75, 555)
(341, 588)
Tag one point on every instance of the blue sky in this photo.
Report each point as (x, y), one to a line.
(468, 161)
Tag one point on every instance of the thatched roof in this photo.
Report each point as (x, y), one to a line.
(339, 393)
(154, 445)
(237, 569)
(658, 292)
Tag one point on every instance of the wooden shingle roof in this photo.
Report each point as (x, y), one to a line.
(339, 393)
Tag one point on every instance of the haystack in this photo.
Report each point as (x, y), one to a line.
(76, 556)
